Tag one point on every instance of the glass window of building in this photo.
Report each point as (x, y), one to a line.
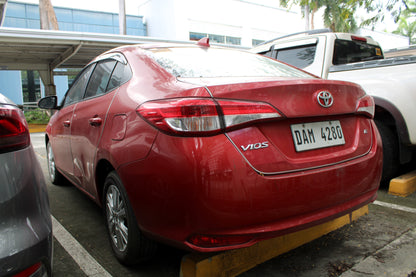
(233, 40)
(196, 36)
(216, 38)
(255, 42)
(30, 86)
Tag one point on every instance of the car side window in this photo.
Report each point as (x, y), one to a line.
(99, 78)
(270, 53)
(76, 92)
(121, 74)
(300, 57)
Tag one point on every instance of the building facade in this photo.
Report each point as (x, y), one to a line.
(236, 22)
(25, 87)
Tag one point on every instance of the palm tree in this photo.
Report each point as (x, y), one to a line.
(338, 14)
(407, 28)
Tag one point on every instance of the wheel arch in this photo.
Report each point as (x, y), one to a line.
(46, 139)
(390, 115)
(104, 167)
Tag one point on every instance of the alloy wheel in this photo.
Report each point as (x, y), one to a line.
(51, 163)
(117, 218)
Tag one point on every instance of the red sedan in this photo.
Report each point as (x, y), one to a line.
(210, 149)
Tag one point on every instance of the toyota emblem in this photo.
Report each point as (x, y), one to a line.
(325, 99)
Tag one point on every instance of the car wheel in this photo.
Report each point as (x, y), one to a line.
(56, 177)
(129, 244)
(390, 152)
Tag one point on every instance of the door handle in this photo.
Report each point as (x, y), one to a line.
(66, 123)
(95, 121)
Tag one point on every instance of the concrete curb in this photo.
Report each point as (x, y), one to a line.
(403, 185)
(37, 128)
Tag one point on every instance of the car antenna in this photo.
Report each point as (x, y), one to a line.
(204, 42)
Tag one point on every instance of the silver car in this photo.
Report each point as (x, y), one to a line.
(25, 220)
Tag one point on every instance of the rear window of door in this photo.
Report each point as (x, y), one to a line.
(121, 74)
(300, 57)
(99, 79)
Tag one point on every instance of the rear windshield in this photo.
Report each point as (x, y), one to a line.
(347, 51)
(195, 62)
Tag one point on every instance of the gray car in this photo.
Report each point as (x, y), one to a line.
(25, 220)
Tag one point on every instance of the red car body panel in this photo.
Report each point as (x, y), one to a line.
(223, 195)
(216, 185)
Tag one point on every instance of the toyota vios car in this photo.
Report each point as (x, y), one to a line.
(211, 149)
(25, 220)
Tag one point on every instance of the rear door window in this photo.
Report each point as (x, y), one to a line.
(121, 74)
(300, 57)
(99, 79)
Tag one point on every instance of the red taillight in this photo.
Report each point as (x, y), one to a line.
(14, 133)
(357, 38)
(29, 271)
(203, 116)
(366, 106)
(219, 241)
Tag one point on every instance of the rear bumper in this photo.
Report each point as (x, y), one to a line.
(26, 228)
(38, 256)
(203, 186)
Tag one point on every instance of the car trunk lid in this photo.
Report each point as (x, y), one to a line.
(321, 123)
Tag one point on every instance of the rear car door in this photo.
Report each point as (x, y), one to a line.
(88, 121)
(90, 118)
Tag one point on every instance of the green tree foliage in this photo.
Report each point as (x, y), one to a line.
(382, 8)
(407, 23)
(339, 14)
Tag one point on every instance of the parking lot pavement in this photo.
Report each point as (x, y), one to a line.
(379, 244)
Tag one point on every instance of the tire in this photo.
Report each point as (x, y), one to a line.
(129, 245)
(391, 162)
(54, 175)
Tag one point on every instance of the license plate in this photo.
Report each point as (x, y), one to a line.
(308, 136)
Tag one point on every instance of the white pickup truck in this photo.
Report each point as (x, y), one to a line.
(348, 57)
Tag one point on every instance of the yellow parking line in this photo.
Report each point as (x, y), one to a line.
(235, 262)
(37, 128)
(403, 185)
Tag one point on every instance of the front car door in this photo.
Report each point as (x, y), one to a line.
(61, 131)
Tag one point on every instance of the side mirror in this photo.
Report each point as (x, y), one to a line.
(48, 102)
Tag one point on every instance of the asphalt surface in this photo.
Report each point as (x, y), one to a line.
(382, 243)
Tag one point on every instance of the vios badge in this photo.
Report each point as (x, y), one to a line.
(325, 99)
(255, 146)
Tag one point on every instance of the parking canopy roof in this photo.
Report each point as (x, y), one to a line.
(44, 50)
